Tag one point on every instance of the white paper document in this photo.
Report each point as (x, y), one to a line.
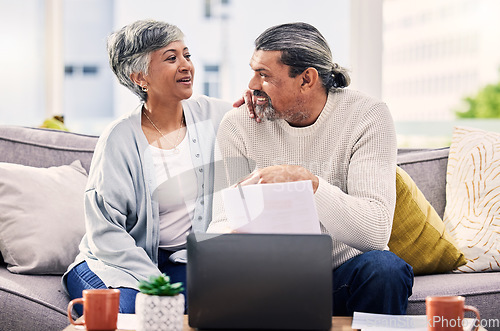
(127, 322)
(272, 208)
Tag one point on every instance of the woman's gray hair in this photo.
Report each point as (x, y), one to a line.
(130, 48)
(302, 46)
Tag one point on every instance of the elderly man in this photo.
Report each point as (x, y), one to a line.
(343, 141)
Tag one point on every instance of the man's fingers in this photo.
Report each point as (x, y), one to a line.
(253, 178)
(249, 103)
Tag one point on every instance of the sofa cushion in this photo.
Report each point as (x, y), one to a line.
(418, 233)
(41, 216)
(472, 213)
(32, 302)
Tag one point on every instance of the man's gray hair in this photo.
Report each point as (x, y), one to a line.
(302, 46)
(130, 48)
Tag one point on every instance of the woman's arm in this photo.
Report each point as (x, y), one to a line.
(117, 234)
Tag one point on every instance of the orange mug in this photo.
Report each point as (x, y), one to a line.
(446, 313)
(100, 309)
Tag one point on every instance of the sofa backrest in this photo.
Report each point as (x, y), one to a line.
(427, 167)
(43, 147)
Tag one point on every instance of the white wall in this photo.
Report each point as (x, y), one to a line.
(436, 53)
(366, 46)
(247, 19)
(22, 61)
(88, 22)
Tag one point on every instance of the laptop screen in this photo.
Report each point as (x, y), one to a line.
(259, 281)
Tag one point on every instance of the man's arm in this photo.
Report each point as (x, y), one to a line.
(361, 217)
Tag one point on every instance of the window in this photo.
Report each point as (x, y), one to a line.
(211, 83)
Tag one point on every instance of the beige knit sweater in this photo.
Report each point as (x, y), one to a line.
(351, 148)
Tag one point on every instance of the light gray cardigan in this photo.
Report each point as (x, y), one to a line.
(121, 213)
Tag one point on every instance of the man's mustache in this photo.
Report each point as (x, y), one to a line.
(259, 93)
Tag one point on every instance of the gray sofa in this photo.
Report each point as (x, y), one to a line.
(482, 290)
(38, 301)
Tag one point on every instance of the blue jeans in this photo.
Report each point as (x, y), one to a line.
(373, 282)
(82, 278)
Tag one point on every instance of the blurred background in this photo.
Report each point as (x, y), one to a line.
(436, 63)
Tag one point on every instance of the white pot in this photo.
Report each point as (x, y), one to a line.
(156, 312)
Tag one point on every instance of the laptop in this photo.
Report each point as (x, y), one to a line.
(259, 281)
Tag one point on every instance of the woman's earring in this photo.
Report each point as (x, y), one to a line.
(144, 88)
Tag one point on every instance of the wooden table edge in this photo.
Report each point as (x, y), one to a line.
(339, 323)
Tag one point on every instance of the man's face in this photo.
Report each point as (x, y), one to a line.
(278, 94)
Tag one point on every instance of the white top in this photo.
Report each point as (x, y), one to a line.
(176, 193)
(351, 148)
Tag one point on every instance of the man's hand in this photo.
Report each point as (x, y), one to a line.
(247, 99)
(281, 174)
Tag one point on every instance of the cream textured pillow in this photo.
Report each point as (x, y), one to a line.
(472, 213)
(41, 216)
(418, 234)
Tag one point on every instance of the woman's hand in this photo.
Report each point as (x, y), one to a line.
(247, 99)
(281, 174)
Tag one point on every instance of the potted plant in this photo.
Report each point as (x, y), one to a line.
(159, 305)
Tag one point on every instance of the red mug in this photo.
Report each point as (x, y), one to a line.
(446, 313)
(100, 309)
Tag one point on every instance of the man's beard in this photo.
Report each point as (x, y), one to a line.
(268, 112)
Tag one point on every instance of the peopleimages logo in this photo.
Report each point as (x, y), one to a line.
(465, 323)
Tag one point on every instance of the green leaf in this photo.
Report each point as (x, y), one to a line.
(485, 104)
(160, 285)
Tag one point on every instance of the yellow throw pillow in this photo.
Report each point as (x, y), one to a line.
(472, 213)
(418, 234)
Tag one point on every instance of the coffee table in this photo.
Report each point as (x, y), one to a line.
(338, 324)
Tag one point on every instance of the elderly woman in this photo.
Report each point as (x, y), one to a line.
(151, 177)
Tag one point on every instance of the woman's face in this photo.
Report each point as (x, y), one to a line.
(171, 73)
